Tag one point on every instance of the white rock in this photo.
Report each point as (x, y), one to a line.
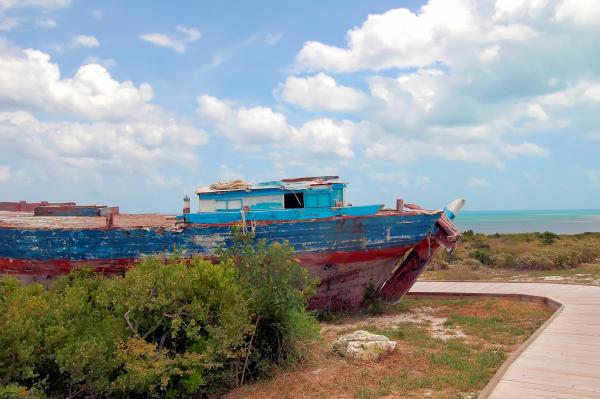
(363, 345)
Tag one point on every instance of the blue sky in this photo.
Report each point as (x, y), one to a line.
(137, 103)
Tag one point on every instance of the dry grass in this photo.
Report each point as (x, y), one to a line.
(521, 257)
(529, 251)
(421, 365)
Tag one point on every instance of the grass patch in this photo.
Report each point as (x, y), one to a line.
(421, 366)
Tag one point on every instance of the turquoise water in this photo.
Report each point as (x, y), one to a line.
(557, 221)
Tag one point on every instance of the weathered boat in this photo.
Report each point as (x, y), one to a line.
(350, 248)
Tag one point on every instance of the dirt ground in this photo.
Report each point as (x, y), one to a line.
(445, 349)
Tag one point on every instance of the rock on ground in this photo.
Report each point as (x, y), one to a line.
(363, 345)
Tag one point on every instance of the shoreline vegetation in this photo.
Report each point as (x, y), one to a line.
(538, 257)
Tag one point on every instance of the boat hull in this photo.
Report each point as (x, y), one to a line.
(347, 254)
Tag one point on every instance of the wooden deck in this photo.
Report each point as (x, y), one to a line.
(562, 360)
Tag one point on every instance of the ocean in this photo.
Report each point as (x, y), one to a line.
(556, 221)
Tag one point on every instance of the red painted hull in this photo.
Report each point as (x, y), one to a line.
(343, 276)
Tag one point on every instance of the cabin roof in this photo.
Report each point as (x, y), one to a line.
(290, 184)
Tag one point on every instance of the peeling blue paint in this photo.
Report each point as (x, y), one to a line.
(306, 236)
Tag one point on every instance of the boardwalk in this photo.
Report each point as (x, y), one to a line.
(563, 361)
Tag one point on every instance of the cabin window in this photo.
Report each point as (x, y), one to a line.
(227, 205)
(293, 200)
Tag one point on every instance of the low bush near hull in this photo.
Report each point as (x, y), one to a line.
(166, 329)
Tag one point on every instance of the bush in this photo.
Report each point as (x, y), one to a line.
(503, 260)
(548, 238)
(166, 329)
(14, 391)
(278, 289)
(533, 261)
(482, 255)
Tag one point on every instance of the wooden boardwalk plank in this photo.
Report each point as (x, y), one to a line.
(563, 361)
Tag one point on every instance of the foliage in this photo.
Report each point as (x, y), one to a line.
(278, 289)
(14, 391)
(547, 237)
(482, 255)
(526, 251)
(186, 324)
(168, 328)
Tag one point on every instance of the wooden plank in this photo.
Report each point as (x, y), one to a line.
(525, 390)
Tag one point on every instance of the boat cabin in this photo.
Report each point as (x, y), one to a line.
(308, 192)
(287, 199)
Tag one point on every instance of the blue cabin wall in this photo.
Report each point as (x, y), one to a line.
(317, 197)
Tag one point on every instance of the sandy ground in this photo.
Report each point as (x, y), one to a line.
(421, 316)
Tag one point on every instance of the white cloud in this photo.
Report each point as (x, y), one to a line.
(243, 125)
(4, 174)
(526, 149)
(190, 34)
(105, 62)
(263, 126)
(476, 182)
(46, 23)
(326, 136)
(581, 92)
(409, 98)
(593, 176)
(44, 4)
(8, 23)
(402, 178)
(130, 144)
(441, 31)
(388, 147)
(584, 12)
(490, 54)
(85, 41)
(28, 78)
(536, 111)
(163, 40)
(511, 9)
(273, 38)
(472, 75)
(88, 135)
(321, 92)
(595, 136)
(175, 43)
(96, 13)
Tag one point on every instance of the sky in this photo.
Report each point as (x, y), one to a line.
(136, 103)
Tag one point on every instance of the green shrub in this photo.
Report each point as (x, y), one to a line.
(482, 255)
(548, 238)
(14, 391)
(169, 329)
(468, 234)
(503, 260)
(533, 261)
(186, 323)
(278, 289)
